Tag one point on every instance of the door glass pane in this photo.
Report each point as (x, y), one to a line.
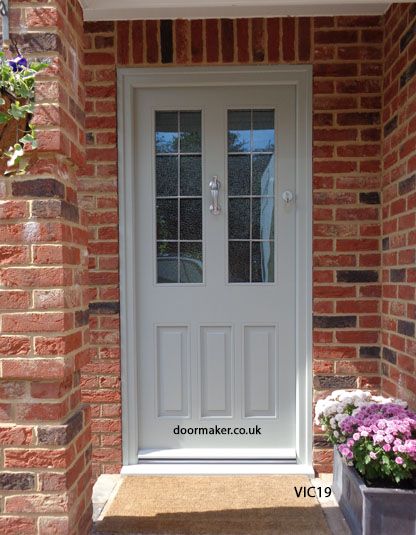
(191, 219)
(190, 129)
(191, 175)
(190, 262)
(263, 174)
(166, 176)
(262, 254)
(239, 261)
(239, 174)
(263, 131)
(167, 262)
(239, 131)
(178, 179)
(251, 195)
(167, 219)
(238, 218)
(167, 131)
(262, 218)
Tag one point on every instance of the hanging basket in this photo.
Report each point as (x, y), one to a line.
(13, 130)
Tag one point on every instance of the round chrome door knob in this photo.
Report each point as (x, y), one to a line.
(288, 196)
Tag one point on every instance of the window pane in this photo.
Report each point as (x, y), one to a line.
(191, 176)
(166, 131)
(262, 218)
(262, 263)
(239, 174)
(167, 262)
(166, 176)
(167, 219)
(251, 195)
(263, 174)
(239, 131)
(190, 128)
(239, 219)
(239, 261)
(191, 219)
(263, 131)
(191, 262)
(178, 174)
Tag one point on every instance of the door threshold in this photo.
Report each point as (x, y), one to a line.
(218, 454)
(216, 468)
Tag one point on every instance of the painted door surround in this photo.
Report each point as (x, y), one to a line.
(297, 78)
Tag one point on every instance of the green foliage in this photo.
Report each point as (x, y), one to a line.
(17, 97)
(382, 466)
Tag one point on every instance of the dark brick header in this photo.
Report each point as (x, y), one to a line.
(104, 307)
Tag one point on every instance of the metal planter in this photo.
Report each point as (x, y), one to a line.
(369, 510)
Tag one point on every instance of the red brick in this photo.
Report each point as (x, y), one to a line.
(258, 39)
(336, 36)
(336, 352)
(334, 134)
(356, 306)
(273, 39)
(335, 69)
(40, 411)
(227, 40)
(13, 209)
(12, 525)
(15, 435)
(182, 41)
(334, 166)
(34, 368)
(123, 44)
(358, 21)
(243, 54)
(344, 214)
(99, 58)
(36, 458)
(13, 254)
(31, 322)
(288, 38)
(37, 503)
(54, 525)
(212, 40)
(50, 390)
(357, 337)
(363, 244)
(334, 291)
(12, 299)
(304, 39)
(57, 345)
(334, 103)
(137, 41)
(152, 41)
(197, 45)
(14, 345)
(358, 367)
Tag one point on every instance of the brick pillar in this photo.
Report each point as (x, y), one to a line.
(45, 437)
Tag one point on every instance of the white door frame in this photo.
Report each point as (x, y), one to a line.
(130, 79)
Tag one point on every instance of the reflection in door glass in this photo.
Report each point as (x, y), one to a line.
(178, 169)
(251, 203)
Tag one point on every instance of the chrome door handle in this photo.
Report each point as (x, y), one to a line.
(214, 186)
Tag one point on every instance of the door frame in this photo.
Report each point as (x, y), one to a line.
(131, 79)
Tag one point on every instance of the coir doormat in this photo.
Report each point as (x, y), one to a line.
(213, 505)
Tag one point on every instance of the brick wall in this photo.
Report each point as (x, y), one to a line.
(45, 434)
(399, 204)
(347, 56)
